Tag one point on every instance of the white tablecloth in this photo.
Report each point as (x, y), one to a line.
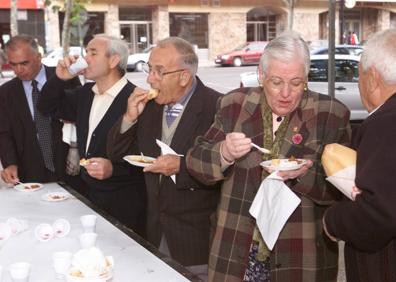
(132, 261)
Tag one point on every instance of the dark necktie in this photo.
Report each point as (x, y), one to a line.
(44, 131)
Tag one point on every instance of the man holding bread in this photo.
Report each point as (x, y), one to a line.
(115, 187)
(293, 123)
(368, 224)
(179, 209)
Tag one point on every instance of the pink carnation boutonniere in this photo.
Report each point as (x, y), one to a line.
(297, 138)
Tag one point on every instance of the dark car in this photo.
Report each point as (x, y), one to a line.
(247, 54)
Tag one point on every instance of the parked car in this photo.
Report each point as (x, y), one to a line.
(354, 50)
(346, 81)
(247, 54)
(136, 61)
(51, 59)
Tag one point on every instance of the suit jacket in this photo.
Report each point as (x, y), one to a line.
(18, 138)
(75, 106)
(368, 224)
(301, 253)
(181, 211)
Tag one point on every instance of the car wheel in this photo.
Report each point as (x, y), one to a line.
(139, 66)
(237, 62)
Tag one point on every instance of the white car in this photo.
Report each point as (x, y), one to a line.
(51, 59)
(136, 61)
(346, 81)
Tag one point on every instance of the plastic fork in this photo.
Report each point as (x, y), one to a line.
(262, 150)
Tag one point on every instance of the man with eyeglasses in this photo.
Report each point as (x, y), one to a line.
(292, 122)
(180, 211)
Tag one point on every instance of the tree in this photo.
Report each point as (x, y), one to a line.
(14, 17)
(290, 16)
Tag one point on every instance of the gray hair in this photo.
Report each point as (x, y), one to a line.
(286, 47)
(116, 46)
(379, 51)
(187, 59)
(15, 41)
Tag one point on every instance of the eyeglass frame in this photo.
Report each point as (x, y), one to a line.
(293, 88)
(160, 75)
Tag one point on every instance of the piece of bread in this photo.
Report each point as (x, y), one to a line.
(152, 94)
(84, 162)
(336, 157)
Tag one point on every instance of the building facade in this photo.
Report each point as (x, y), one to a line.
(215, 26)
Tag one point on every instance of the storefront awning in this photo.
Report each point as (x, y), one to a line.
(23, 4)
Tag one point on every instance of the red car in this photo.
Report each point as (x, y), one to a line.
(247, 54)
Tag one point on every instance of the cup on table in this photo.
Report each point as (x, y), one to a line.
(88, 240)
(62, 262)
(20, 271)
(88, 222)
(1, 272)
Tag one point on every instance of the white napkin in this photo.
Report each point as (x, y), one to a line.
(344, 180)
(272, 206)
(69, 133)
(165, 149)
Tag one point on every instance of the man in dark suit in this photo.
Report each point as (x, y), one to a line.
(21, 149)
(368, 224)
(115, 187)
(178, 212)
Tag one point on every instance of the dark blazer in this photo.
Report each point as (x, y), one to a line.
(18, 140)
(368, 224)
(75, 106)
(181, 211)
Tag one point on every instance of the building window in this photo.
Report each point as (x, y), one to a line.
(134, 13)
(192, 27)
(261, 25)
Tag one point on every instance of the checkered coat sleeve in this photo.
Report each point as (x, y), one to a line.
(302, 252)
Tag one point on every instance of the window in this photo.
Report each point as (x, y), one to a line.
(318, 70)
(192, 27)
(346, 71)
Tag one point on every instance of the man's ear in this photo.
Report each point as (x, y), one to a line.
(260, 76)
(114, 61)
(184, 78)
(373, 79)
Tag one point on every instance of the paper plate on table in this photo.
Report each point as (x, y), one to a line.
(139, 160)
(55, 196)
(283, 164)
(28, 187)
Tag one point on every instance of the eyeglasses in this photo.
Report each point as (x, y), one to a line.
(277, 84)
(157, 71)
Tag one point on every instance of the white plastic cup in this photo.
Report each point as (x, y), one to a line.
(88, 222)
(88, 240)
(78, 65)
(62, 262)
(20, 271)
(1, 273)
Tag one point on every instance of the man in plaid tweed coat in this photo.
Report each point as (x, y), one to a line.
(302, 252)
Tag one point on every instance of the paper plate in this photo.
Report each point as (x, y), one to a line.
(55, 196)
(138, 160)
(283, 164)
(28, 187)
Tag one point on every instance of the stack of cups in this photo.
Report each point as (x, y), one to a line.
(62, 262)
(88, 238)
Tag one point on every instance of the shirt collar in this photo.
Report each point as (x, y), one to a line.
(372, 112)
(114, 90)
(184, 99)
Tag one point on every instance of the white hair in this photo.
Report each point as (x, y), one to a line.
(118, 47)
(286, 47)
(380, 52)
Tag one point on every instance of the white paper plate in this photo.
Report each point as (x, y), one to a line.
(28, 187)
(55, 196)
(138, 160)
(104, 277)
(284, 164)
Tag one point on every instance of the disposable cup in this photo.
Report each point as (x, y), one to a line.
(88, 240)
(62, 262)
(78, 65)
(88, 222)
(19, 271)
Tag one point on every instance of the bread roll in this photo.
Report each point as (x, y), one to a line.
(84, 162)
(336, 157)
(153, 93)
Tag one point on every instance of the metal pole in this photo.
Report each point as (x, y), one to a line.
(342, 6)
(331, 61)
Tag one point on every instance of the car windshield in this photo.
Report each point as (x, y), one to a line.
(241, 47)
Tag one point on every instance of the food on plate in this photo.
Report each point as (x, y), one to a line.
(152, 94)
(142, 159)
(286, 163)
(84, 162)
(57, 196)
(337, 157)
(90, 263)
(33, 186)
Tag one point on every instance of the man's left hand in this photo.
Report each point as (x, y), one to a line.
(99, 168)
(166, 165)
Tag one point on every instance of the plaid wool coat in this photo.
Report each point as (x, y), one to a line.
(302, 252)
